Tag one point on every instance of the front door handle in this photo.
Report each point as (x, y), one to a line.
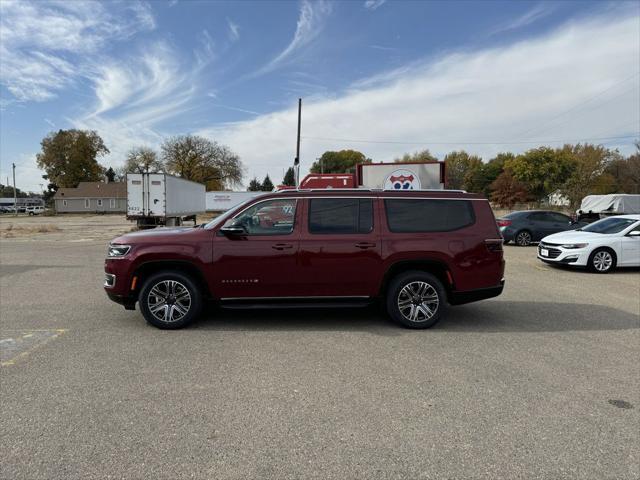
(364, 245)
(281, 246)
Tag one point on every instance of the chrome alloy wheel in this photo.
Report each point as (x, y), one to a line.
(418, 301)
(602, 261)
(169, 301)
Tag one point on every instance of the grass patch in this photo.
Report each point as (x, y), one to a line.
(11, 231)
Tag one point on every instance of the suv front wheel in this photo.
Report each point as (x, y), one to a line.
(170, 300)
(416, 299)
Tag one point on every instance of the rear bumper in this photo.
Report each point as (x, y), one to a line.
(459, 298)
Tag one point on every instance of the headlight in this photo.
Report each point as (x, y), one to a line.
(575, 245)
(118, 250)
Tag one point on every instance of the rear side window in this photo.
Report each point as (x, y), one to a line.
(417, 215)
(340, 215)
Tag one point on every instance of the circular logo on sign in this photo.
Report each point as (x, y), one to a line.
(402, 179)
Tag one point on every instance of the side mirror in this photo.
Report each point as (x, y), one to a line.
(233, 230)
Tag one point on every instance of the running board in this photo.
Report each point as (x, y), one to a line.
(288, 304)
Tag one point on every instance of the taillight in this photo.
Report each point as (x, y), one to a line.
(494, 244)
(503, 223)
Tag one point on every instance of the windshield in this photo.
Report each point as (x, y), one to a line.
(609, 225)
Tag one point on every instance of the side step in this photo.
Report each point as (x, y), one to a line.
(247, 304)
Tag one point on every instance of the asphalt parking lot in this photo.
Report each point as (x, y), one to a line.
(542, 382)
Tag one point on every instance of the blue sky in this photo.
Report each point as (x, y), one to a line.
(383, 77)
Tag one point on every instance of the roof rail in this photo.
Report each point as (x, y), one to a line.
(369, 190)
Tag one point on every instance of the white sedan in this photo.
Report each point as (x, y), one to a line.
(602, 246)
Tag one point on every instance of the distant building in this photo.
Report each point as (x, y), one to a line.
(22, 201)
(557, 199)
(91, 197)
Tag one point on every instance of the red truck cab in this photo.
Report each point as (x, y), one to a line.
(416, 251)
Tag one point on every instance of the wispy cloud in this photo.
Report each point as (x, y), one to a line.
(137, 93)
(442, 104)
(236, 109)
(234, 30)
(373, 4)
(43, 44)
(536, 13)
(382, 47)
(310, 23)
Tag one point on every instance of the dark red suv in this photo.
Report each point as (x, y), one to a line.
(417, 251)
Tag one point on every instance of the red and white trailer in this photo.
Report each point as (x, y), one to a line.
(381, 176)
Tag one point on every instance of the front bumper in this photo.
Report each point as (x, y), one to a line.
(556, 254)
(129, 303)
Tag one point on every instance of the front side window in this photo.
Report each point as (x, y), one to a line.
(272, 217)
(427, 215)
(540, 217)
(609, 225)
(340, 215)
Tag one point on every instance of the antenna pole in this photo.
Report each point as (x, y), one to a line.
(296, 162)
(15, 198)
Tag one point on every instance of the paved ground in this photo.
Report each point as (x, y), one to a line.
(543, 382)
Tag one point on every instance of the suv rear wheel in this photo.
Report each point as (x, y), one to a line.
(416, 299)
(170, 300)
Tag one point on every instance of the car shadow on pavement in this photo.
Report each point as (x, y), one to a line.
(507, 316)
(369, 319)
(483, 317)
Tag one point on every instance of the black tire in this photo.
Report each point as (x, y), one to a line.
(523, 238)
(602, 260)
(397, 294)
(163, 298)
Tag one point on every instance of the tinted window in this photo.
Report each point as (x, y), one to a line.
(409, 215)
(540, 217)
(340, 215)
(558, 217)
(515, 215)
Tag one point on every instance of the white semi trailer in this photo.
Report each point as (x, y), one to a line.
(155, 199)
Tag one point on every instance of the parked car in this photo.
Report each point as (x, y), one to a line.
(35, 210)
(417, 251)
(601, 246)
(528, 226)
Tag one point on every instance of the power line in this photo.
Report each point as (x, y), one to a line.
(392, 142)
(578, 106)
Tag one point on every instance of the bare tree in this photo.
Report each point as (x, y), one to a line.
(143, 160)
(201, 160)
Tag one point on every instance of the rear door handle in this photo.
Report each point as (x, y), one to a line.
(282, 246)
(364, 245)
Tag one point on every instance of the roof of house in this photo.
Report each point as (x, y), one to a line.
(94, 190)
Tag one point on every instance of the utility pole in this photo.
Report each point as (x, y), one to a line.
(296, 162)
(15, 198)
